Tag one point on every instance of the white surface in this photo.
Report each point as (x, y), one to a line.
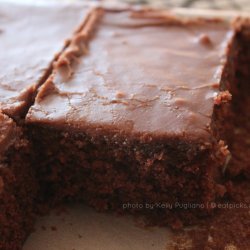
(81, 228)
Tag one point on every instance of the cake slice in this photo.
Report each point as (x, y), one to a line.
(126, 121)
(31, 38)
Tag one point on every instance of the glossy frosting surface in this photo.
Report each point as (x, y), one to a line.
(30, 38)
(143, 74)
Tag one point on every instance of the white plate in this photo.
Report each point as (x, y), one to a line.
(81, 228)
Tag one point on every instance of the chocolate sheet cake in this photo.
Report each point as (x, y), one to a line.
(133, 110)
(130, 121)
(31, 38)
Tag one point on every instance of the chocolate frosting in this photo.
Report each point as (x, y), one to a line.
(30, 38)
(141, 73)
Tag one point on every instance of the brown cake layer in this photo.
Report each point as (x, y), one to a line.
(31, 36)
(233, 119)
(238, 136)
(125, 118)
(18, 187)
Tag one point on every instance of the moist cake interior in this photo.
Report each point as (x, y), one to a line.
(50, 161)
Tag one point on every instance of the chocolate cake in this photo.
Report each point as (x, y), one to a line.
(32, 38)
(126, 117)
(238, 133)
(132, 113)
